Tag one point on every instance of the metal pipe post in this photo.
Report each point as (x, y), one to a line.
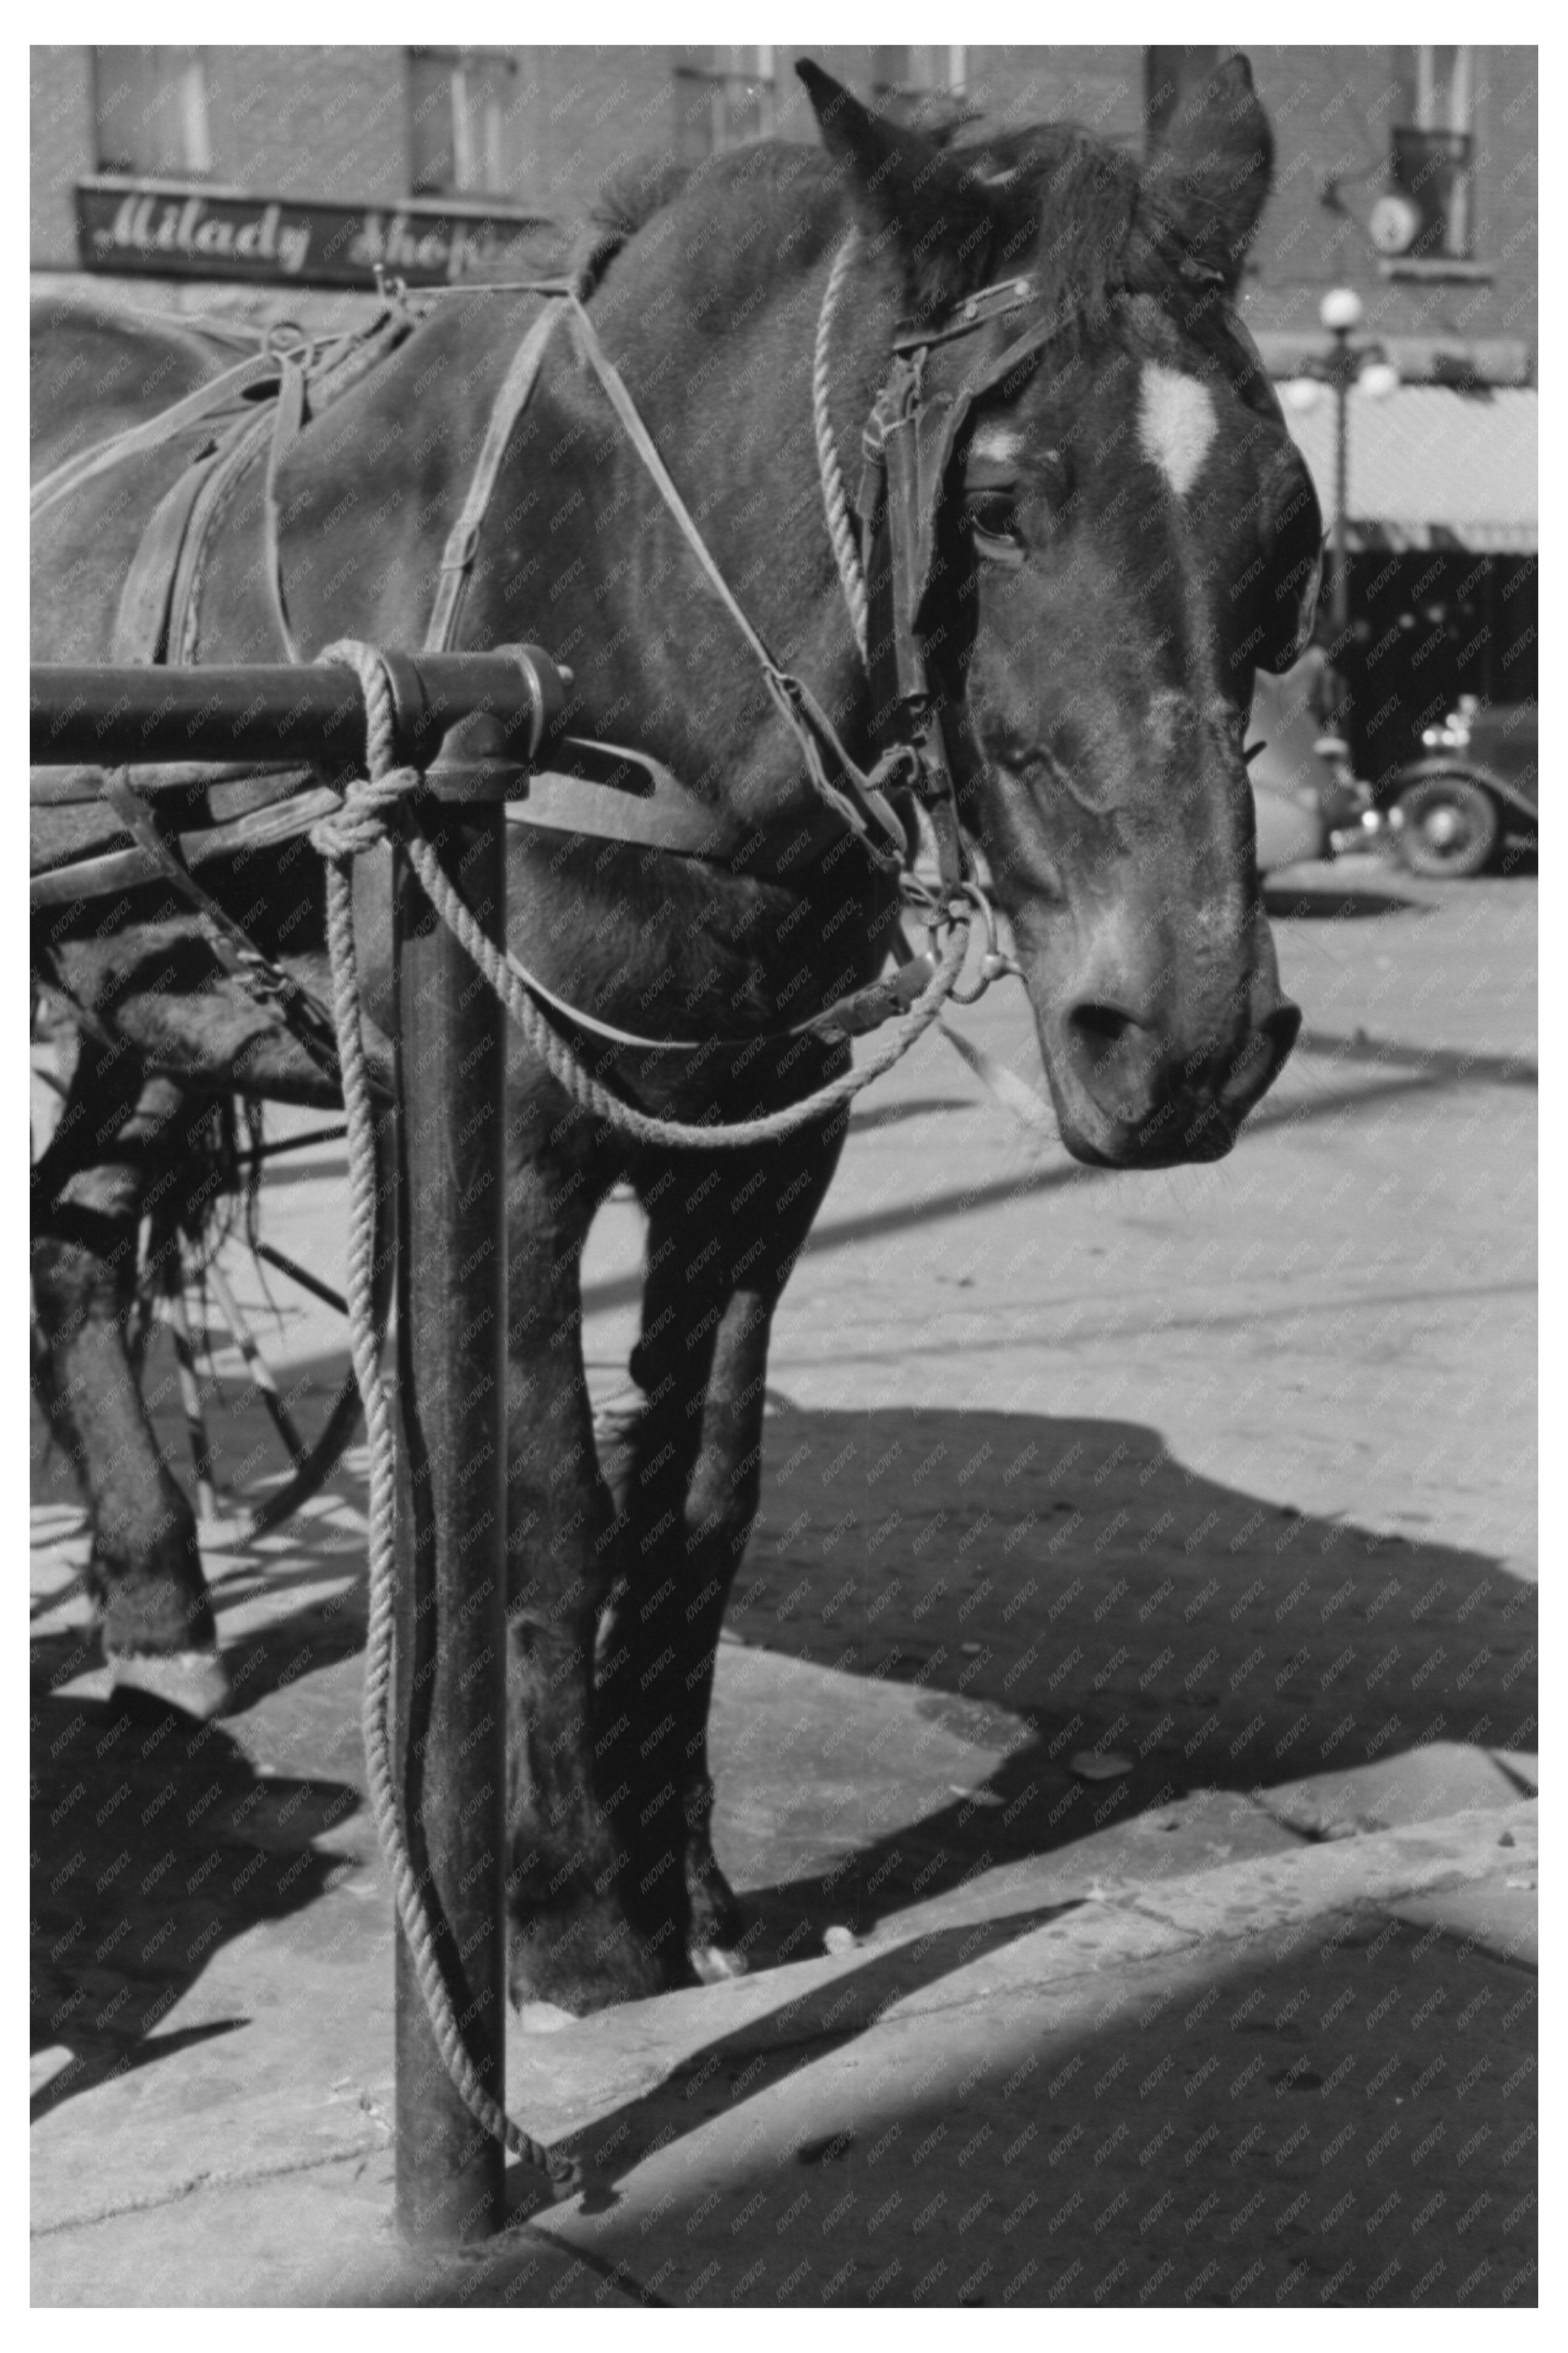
(1340, 612)
(450, 1715)
(1339, 595)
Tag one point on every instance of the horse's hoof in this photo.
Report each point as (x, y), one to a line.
(591, 1963)
(195, 1682)
(713, 1964)
(543, 2018)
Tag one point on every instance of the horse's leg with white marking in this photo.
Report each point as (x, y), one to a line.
(570, 1940)
(724, 1231)
(144, 1566)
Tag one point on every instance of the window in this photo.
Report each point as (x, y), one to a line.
(1424, 222)
(457, 106)
(726, 102)
(149, 109)
(918, 70)
(1172, 75)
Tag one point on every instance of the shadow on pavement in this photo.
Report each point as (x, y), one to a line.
(1319, 902)
(154, 1841)
(1054, 1588)
(1254, 2123)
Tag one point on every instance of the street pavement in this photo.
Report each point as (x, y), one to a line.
(1125, 1738)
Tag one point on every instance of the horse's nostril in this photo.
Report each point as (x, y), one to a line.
(1283, 1028)
(1097, 1030)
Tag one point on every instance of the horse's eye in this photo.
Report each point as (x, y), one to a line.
(991, 516)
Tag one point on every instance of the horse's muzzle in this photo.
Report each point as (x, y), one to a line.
(1125, 1101)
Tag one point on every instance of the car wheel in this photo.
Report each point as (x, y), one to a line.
(1449, 827)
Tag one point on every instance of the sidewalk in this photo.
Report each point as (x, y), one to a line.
(1253, 2050)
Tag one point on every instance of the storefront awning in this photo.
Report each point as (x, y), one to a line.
(1429, 467)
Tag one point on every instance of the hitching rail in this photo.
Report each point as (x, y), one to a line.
(459, 732)
(311, 712)
(472, 722)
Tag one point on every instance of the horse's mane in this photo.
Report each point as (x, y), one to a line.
(1066, 203)
(1076, 210)
(625, 200)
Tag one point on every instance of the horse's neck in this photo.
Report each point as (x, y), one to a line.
(733, 420)
(658, 664)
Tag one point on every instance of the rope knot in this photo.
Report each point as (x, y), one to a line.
(361, 824)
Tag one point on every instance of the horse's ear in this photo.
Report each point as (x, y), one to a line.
(903, 188)
(1209, 178)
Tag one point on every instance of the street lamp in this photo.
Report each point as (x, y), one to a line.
(1341, 313)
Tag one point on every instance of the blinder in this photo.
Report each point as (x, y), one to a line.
(1295, 527)
(907, 454)
(908, 449)
(1296, 534)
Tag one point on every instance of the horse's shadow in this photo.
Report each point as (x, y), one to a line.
(155, 1843)
(1037, 1587)
(1084, 1592)
(1209, 1639)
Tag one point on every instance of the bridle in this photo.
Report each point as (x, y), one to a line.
(907, 450)
(908, 443)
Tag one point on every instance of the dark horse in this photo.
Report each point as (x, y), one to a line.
(1123, 532)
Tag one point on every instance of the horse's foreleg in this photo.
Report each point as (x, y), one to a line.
(570, 1941)
(723, 1236)
(144, 1566)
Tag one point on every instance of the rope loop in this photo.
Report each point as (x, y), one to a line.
(361, 824)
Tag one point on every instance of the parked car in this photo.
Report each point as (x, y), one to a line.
(1307, 800)
(1450, 811)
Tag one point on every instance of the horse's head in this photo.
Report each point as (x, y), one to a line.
(1122, 530)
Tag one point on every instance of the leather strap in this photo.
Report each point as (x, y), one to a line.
(463, 540)
(855, 798)
(288, 419)
(306, 1020)
(81, 785)
(129, 870)
(140, 633)
(137, 439)
(216, 488)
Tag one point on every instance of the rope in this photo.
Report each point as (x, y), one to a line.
(360, 826)
(840, 530)
(371, 809)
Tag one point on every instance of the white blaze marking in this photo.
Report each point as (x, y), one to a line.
(1176, 423)
(998, 445)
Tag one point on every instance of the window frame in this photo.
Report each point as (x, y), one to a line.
(1454, 118)
(473, 128)
(183, 95)
(746, 73)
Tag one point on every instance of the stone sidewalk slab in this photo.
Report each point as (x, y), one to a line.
(699, 2092)
(1038, 1939)
(311, 2235)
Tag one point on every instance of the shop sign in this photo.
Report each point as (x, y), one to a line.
(153, 228)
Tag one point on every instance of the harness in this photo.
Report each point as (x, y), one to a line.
(601, 790)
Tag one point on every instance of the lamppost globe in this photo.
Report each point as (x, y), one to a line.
(1302, 394)
(1340, 311)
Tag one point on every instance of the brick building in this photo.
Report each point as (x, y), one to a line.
(259, 178)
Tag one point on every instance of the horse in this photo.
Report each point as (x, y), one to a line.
(1114, 532)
